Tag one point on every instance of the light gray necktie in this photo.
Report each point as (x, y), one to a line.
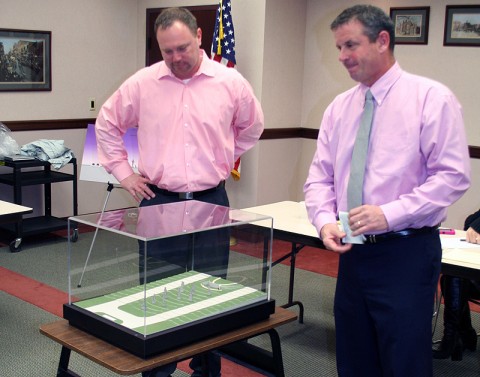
(359, 155)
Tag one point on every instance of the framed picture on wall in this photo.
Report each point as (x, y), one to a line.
(411, 25)
(462, 25)
(25, 60)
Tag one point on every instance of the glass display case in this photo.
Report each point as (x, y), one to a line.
(154, 278)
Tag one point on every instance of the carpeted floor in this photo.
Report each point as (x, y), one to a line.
(40, 271)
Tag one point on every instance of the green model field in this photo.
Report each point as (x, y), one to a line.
(171, 302)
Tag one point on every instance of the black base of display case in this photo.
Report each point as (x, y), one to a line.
(150, 345)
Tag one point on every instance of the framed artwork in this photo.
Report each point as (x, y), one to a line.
(411, 25)
(462, 25)
(25, 60)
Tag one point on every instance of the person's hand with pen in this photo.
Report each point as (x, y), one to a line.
(472, 236)
(472, 226)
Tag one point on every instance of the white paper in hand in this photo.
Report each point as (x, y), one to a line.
(360, 239)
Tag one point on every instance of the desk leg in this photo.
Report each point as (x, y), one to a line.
(63, 370)
(293, 255)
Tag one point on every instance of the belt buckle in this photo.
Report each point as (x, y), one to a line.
(185, 195)
(372, 238)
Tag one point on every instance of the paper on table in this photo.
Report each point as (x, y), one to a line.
(457, 243)
(346, 228)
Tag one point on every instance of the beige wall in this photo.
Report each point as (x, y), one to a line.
(93, 43)
(281, 98)
(96, 44)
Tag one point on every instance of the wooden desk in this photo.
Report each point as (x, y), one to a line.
(124, 363)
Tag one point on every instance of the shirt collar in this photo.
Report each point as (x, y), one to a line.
(206, 68)
(383, 85)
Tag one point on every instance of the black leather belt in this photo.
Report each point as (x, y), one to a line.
(186, 195)
(410, 232)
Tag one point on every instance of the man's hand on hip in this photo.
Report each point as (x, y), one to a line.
(137, 186)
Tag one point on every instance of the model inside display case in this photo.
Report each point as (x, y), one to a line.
(171, 302)
(159, 277)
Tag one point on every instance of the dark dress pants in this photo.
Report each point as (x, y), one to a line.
(384, 305)
(177, 253)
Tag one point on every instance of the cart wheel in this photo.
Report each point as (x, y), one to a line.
(74, 236)
(15, 245)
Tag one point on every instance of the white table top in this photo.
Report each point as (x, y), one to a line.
(7, 208)
(292, 217)
(288, 216)
(460, 253)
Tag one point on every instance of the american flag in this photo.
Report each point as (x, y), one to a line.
(223, 50)
(223, 44)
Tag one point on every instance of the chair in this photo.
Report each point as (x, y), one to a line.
(436, 311)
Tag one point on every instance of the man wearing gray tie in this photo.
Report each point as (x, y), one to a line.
(391, 157)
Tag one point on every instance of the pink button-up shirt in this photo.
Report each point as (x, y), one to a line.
(189, 133)
(418, 162)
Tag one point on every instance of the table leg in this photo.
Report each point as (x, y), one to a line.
(205, 369)
(252, 356)
(63, 370)
(293, 255)
(276, 353)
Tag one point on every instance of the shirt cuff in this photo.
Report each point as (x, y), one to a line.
(122, 171)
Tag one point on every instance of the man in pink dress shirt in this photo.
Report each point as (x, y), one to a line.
(195, 117)
(417, 165)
